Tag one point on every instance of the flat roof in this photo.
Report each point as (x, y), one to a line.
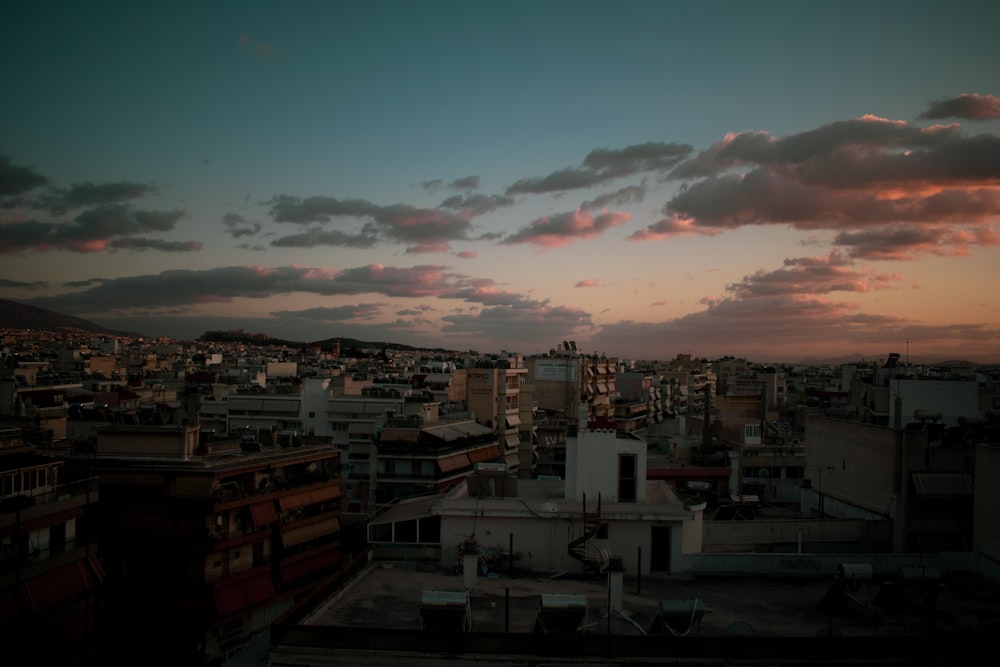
(388, 596)
(546, 499)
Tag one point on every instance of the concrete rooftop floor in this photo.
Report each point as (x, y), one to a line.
(388, 596)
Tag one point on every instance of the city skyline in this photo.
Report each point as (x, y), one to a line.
(775, 180)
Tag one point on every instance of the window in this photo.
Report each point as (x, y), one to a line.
(406, 531)
(626, 478)
(430, 529)
(57, 539)
(381, 532)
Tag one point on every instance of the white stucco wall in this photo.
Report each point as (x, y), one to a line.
(592, 465)
(543, 543)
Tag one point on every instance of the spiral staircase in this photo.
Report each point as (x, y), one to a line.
(594, 560)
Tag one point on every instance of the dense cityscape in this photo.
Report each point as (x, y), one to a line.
(211, 497)
(522, 334)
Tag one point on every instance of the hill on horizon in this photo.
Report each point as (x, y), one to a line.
(14, 315)
(325, 344)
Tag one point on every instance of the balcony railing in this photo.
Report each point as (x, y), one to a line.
(231, 491)
(46, 495)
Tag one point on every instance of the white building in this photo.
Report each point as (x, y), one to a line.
(605, 511)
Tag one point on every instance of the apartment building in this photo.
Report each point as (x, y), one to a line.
(566, 379)
(919, 475)
(50, 570)
(604, 513)
(728, 368)
(494, 397)
(563, 383)
(209, 541)
(642, 401)
(355, 423)
(416, 458)
(447, 388)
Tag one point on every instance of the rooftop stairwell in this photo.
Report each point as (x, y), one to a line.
(594, 560)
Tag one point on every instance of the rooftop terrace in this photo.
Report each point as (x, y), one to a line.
(377, 620)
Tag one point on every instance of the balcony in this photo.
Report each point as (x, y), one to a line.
(45, 500)
(233, 494)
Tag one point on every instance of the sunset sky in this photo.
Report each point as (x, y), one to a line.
(774, 180)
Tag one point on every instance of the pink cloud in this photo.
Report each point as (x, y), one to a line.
(319, 273)
(467, 254)
(565, 228)
(805, 276)
(672, 226)
(907, 242)
(967, 105)
(95, 245)
(586, 283)
(432, 246)
(847, 177)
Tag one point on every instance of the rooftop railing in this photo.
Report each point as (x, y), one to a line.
(46, 495)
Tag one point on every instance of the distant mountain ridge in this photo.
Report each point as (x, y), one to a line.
(346, 344)
(14, 315)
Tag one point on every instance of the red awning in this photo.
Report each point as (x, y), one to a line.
(55, 586)
(485, 454)
(230, 599)
(293, 569)
(259, 589)
(263, 514)
(304, 498)
(454, 462)
(312, 531)
(233, 597)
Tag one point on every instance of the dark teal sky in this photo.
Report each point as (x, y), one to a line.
(506, 174)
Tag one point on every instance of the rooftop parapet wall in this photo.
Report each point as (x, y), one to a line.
(884, 565)
(761, 531)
